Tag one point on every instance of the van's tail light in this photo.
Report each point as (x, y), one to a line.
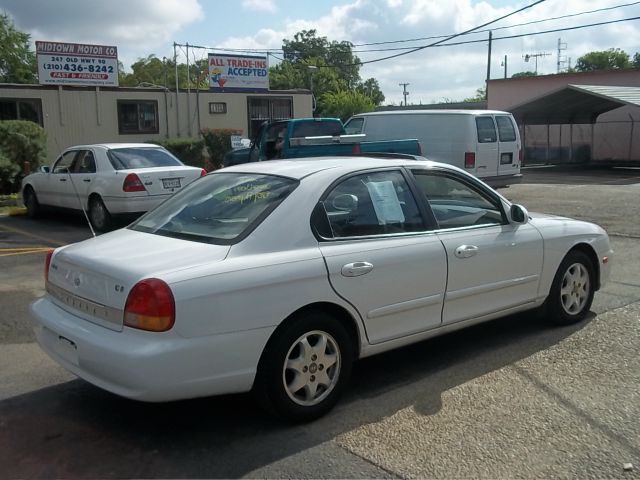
(150, 306)
(469, 160)
(47, 264)
(132, 183)
(356, 150)
(203, 172)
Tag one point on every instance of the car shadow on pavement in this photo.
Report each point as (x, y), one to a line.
(75, 430)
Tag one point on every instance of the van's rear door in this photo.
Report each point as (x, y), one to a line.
(487, 149)
(509, 145)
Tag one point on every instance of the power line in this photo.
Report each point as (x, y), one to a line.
(500, 28)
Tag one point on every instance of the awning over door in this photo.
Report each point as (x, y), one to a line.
(577, 104)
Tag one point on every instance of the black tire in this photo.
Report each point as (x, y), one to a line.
(31, 202)
(572, 290)
(274, 385)
(98, 214)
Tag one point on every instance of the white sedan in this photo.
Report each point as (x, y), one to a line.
(109, 179)
(276, 276)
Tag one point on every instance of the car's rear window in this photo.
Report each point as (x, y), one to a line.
(140, 157)
(221, 208)
(317, 129)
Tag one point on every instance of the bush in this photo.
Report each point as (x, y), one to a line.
(218, 143)
(20, 141)
(190, 151)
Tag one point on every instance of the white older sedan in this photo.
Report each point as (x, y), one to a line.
(276, 276)
(109, 179)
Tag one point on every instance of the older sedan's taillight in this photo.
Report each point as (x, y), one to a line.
(150, 306)
(47, 264)
(132, 183)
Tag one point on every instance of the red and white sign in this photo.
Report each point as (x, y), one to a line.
(77, 64)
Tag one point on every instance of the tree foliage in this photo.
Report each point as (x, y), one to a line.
(17, 60)
(20, 141)
(344, 104)
(153, 71)
(480, 96)
(612, 59)
(337, 71)
(636, 60)
(524, 74)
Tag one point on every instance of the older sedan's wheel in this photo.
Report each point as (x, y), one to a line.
(98, 214)
(31, 202)
(305, 367)
(572, 291)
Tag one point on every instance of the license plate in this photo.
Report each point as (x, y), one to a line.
(506, 158)
(171, 182)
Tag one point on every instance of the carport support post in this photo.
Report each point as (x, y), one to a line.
(631, 137)
(547, 152)
(570, 142)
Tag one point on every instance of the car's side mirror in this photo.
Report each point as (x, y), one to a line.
(345, 202)
(519, 214)
(44, 169)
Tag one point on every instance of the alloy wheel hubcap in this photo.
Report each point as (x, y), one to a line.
(575, 288)
(311, 368)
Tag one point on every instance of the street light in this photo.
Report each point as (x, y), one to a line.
(312, 69)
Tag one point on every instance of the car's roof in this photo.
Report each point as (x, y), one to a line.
(111, 146)
(431, 112)
(303, 167)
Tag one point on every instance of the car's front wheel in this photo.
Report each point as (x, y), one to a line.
(98, 214)
(305, 367)
(572, 290)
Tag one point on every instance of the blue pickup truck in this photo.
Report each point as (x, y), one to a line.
(312, 137)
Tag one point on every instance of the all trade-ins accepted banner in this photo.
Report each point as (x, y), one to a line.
(77, 64)
(240, 73)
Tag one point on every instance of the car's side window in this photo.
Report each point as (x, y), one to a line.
(374, 203)
(85, 162)
(486, 130)
(456, 204)
(63, 165)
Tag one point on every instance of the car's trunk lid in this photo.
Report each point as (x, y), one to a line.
(165, 180)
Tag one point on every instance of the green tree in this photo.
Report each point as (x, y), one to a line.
(612, 59)
(524, 74)
(344, 104)
(337, 69)
(152, 70)
(480, 96)
(636, 60)
(17, 60)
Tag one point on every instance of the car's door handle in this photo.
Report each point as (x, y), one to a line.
(86, 180)
(63, 179)
(466, 251)
(356, 269)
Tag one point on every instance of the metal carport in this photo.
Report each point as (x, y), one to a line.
(575, 104)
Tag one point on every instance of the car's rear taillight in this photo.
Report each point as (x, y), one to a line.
(203, 172)
(469, 160)
(47, 264)
(150, 306)
(356, 150)
(132, 183)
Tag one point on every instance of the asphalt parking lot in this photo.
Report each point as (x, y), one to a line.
(509, 399)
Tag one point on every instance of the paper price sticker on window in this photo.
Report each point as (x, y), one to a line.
(385, 202)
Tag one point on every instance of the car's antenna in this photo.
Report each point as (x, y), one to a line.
(80, 202)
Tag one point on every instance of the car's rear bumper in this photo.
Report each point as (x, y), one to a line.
(148, 366)
(498, 181)
(133, 204)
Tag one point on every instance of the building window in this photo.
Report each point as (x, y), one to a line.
(21, 109)
(217, 107)
(265, 109)
(137, 116)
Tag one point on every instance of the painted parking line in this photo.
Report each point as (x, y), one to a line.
(8, 252)
(32, 235)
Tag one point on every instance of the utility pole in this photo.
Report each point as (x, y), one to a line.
(504, 64)
(562, 60)
(404, 91)
(489, 59)
(529, 56)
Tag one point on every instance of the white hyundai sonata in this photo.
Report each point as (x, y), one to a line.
(276, 276)
(107, 180)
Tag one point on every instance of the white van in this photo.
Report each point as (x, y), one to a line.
(483, 142)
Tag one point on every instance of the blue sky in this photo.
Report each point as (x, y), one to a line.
(142, 27)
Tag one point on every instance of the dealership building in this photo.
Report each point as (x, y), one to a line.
(78, 100)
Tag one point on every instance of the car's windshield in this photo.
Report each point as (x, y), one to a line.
(141, 157)
(220, 208)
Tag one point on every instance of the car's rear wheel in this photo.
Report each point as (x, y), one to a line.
(572, 290)
(98, 214)
(31, 202)
(305, 367)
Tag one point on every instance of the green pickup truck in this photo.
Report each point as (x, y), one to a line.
(312, 137)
